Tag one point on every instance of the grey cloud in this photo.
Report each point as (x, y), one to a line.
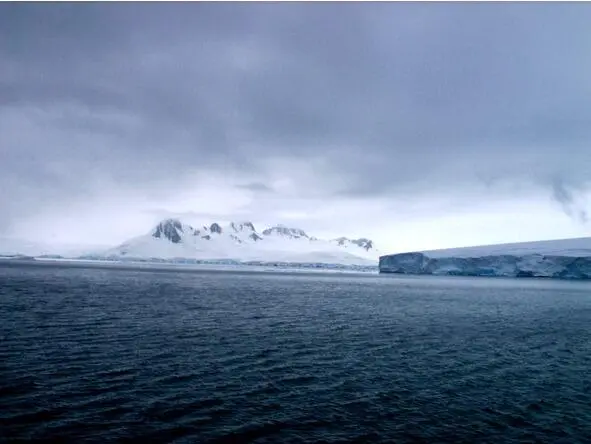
(257, 187)
(397, 98)
(565, 196)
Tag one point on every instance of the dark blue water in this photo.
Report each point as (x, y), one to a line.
(97, 355)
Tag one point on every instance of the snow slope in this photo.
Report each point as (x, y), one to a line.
(173, 239)
(16, 247)
(564, 259)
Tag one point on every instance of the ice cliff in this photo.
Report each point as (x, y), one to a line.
(563, 259)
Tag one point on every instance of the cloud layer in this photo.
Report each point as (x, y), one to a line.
(347, 118)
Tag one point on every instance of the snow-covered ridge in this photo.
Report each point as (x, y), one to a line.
(560, 259)
(173, 239)
(579, 247)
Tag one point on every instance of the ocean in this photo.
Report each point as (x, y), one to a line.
(150, 355)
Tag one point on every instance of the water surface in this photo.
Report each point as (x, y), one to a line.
(123, 355)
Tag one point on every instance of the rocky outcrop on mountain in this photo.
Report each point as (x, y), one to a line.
(362, 242)
(215, 228)
(280, 230)
(170, 229)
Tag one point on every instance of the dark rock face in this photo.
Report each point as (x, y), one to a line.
(170, 229)
(341, 241)
(206, 237)
(255, 237)
(249, 226)
(362, 242)
(236, 238)
(215, 228)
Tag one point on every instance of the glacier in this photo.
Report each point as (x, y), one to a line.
(558, 259)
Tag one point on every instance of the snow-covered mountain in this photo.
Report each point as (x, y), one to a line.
(173, 239)
(563, 259)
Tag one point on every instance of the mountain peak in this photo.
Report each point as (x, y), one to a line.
(362, 242)
(242, 226)
(366, 244)
(170, 229)
(215, 228)
(282, 230)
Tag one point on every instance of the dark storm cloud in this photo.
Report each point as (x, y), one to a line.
(397, 98)
(567, 199)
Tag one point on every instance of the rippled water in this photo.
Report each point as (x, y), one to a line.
(95, 355)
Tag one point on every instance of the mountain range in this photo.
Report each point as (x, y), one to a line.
(241, 241)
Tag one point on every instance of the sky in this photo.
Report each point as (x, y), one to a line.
(418, 125)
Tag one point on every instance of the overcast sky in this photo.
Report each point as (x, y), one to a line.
(420, 125)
